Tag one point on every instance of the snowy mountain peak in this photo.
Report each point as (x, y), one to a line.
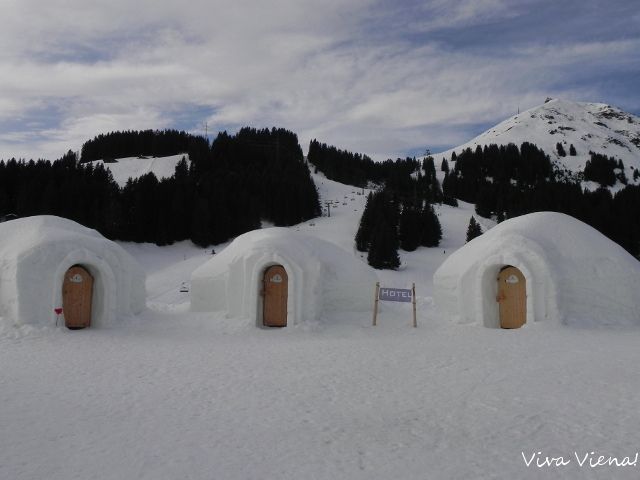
(596, 127)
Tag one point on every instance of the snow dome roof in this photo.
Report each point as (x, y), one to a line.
(322, 276)
(305, 249)
(575, 274)
(23, 234)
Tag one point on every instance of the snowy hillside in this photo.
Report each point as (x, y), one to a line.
(134, 167)
(588, 126)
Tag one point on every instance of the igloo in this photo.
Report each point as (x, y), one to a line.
(278, 277)
(48, 263)
(543, 266)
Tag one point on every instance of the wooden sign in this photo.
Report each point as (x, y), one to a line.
(394, 295)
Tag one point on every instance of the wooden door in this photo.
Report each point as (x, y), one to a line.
(275, 288)
(77, 294)
(512, 296)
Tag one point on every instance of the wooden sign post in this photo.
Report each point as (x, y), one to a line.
(413, 291)
(375, 304)
(395, 295)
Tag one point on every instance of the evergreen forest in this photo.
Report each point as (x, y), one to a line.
(145, 143)
(228, 188)
(503, 182)
(232, 184)
(507, 181)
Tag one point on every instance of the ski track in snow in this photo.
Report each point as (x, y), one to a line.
(172, 394)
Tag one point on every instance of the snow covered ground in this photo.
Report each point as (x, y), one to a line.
(134, 167)
(202, 397)
(173, 394)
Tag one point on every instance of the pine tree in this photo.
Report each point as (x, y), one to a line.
(450, 186)
(431, 233)
(451, 201)
(445, 166)
(383, 251)
(620, 175)
(486, 200)
(363, 235)
(560, 149)
(601, 169)
(200, 231)
(409, 229)
(429, 169)
(572, 150)
(474, 229)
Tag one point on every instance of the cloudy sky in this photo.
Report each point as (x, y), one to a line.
(386, 78)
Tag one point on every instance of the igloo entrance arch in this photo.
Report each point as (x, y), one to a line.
(484, 288)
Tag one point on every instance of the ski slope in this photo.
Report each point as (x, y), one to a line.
(172, 394)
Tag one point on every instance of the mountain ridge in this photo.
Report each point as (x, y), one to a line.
(590, 127)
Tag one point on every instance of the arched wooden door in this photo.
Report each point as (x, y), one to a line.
(512, 296)
(275, 288)
(77, 294)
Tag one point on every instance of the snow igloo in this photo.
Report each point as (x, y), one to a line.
(276, 277)
(49, 263)
(543, 266)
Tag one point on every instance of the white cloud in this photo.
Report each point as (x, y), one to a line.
(331, 70)
(438, 14)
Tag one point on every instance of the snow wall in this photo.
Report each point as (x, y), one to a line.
(35, 253)
(574, 274)
(323, 278)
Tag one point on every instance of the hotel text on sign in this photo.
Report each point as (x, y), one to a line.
(395, 294)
